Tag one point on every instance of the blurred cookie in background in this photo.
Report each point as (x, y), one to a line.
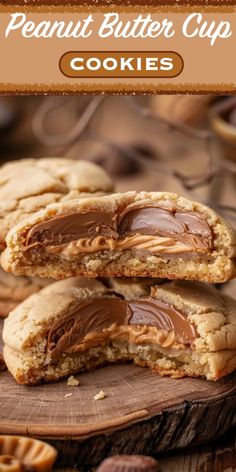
(189, 109)
(13, 290)
(223, 122)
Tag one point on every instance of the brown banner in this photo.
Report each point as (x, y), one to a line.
(117, 49)
(124, 3)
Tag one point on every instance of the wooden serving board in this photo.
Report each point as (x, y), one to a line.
(142, 412)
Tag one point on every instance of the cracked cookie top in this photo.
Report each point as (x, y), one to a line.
(29, 185)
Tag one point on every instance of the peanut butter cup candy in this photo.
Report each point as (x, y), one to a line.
(128, 234)
(177, 329)
(135, 463)
(22, 454)
(28, 185)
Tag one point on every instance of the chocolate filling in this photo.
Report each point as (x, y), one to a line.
(66, 228)
(98, 315)
(189, 228)
(152, 220)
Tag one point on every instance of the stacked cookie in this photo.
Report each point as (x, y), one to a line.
(178, 328)
(28, 185)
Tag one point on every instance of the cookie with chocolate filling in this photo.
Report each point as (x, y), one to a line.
(132, 234)
(28, 185)
(177, 329)
(14, 290)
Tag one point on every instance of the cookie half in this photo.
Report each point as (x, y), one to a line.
(13, 290)
(126, 234)
(28, 185)
(178, 329)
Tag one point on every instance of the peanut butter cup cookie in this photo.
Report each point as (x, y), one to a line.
(178, 329)
(124, 234)
(28, 185)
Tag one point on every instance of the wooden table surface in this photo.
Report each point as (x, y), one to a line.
(217, 457)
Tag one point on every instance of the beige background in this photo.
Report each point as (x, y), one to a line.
(32, 64)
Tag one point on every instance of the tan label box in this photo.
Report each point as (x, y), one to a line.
(160, 64)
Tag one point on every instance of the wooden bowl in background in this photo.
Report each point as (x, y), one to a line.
(223, 122)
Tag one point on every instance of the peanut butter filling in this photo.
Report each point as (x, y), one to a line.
(142, 321)
(147, 228)
(150, 244)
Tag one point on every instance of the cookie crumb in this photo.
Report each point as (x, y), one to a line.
(72, 381)
(68, 395)
(100, 396)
